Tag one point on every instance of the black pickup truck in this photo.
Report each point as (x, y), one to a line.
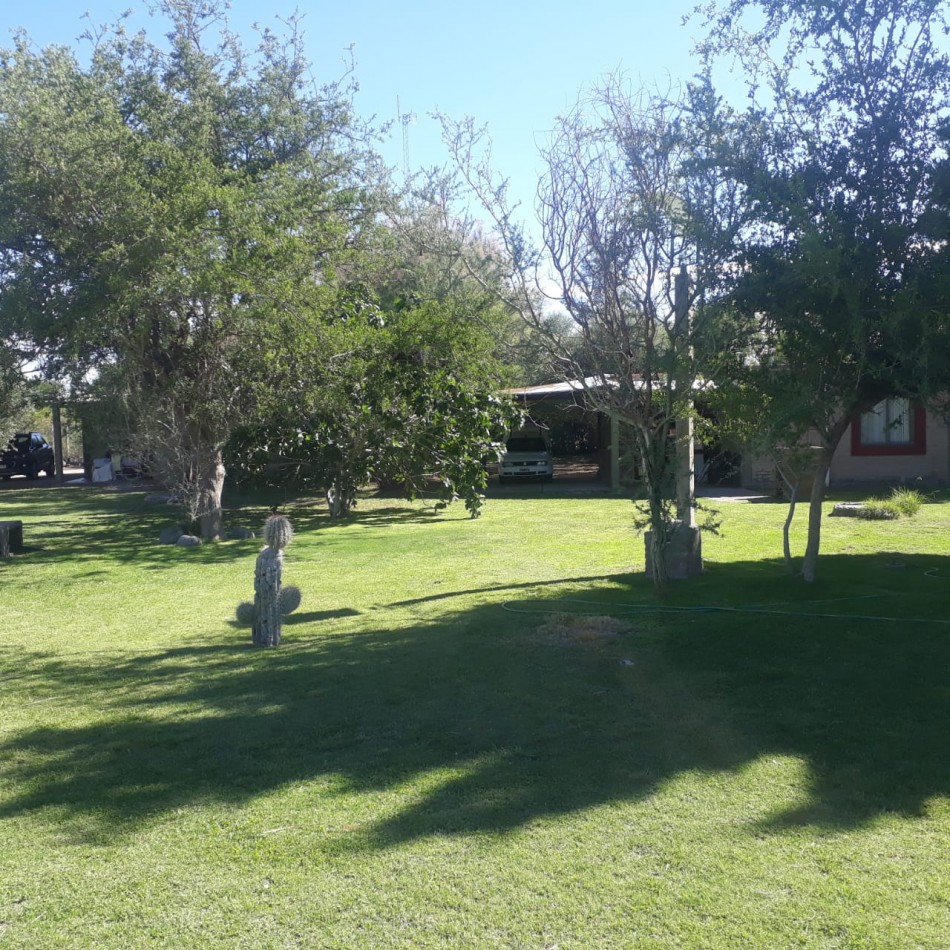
(28, 453)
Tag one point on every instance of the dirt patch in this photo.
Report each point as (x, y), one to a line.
(580, 629)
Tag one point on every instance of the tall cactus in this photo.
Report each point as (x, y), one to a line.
(267, 576)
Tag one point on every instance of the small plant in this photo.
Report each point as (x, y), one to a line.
(878, 509)
(272, 602)
(907, 501)
(904, 502)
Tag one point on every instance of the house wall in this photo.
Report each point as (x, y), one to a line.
(933, 467)
(758, 473)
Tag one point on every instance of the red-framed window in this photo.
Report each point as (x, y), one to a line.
(892, 427)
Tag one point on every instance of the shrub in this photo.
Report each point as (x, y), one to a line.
(906, 501)
(878, 509)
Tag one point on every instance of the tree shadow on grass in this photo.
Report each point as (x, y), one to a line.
(521, 718)
(124, 528)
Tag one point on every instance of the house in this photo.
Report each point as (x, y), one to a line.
(896, 442)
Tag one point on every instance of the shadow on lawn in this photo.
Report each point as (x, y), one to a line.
(122, 527)
(526, 722)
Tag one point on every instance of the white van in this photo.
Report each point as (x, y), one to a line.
(526, 455)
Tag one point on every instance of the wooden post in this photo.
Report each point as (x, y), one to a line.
(614, 454)
(58, 442)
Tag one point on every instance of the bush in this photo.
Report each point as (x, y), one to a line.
(878, 509)
(904, 502)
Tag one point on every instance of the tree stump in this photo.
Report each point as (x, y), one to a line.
(11, 538)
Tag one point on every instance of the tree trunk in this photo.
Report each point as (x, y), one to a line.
(659, 538)
(792, 487)
(825, 454)
(339, 501)
(810, 563)
(210, 488)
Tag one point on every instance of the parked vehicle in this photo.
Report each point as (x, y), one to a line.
(27, 454)
(527, 455)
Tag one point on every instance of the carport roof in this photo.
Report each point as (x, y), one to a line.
(567, 387)
(570, 386)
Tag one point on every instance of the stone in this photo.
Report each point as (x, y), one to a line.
(847, 509)
(869, 512)
(13, 530)
(240, 534)
(170, 535)
(188, 541)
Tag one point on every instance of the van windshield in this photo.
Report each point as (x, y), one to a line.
(524, 443)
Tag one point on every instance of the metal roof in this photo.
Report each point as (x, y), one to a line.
(571, 386)
(564, 388)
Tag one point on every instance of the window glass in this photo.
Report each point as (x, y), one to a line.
(890, 422)
(526, 444)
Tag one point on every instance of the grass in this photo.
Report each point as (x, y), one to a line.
(474, 734)
(902, 502)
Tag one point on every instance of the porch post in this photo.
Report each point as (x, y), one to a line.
(58, 442)
(614, 454)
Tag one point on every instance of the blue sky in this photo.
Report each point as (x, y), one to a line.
(511, 65)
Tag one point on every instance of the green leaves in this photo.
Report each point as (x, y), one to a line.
(171, 218)
(408, 403)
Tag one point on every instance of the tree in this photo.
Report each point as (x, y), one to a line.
(14, 400)
(171, 223)
(410, 401)
(847, 105)
(628, 206)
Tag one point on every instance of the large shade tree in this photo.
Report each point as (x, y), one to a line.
(848, 103)
(407, 397)
(172, 218)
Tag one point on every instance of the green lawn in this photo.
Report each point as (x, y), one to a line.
(475, 734)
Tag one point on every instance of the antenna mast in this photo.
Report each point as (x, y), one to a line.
(405, 120)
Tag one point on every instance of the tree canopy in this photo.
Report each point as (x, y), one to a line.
(411, 403)
(634, 216)
(170, 222)
(841, 141)
(188, 229)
